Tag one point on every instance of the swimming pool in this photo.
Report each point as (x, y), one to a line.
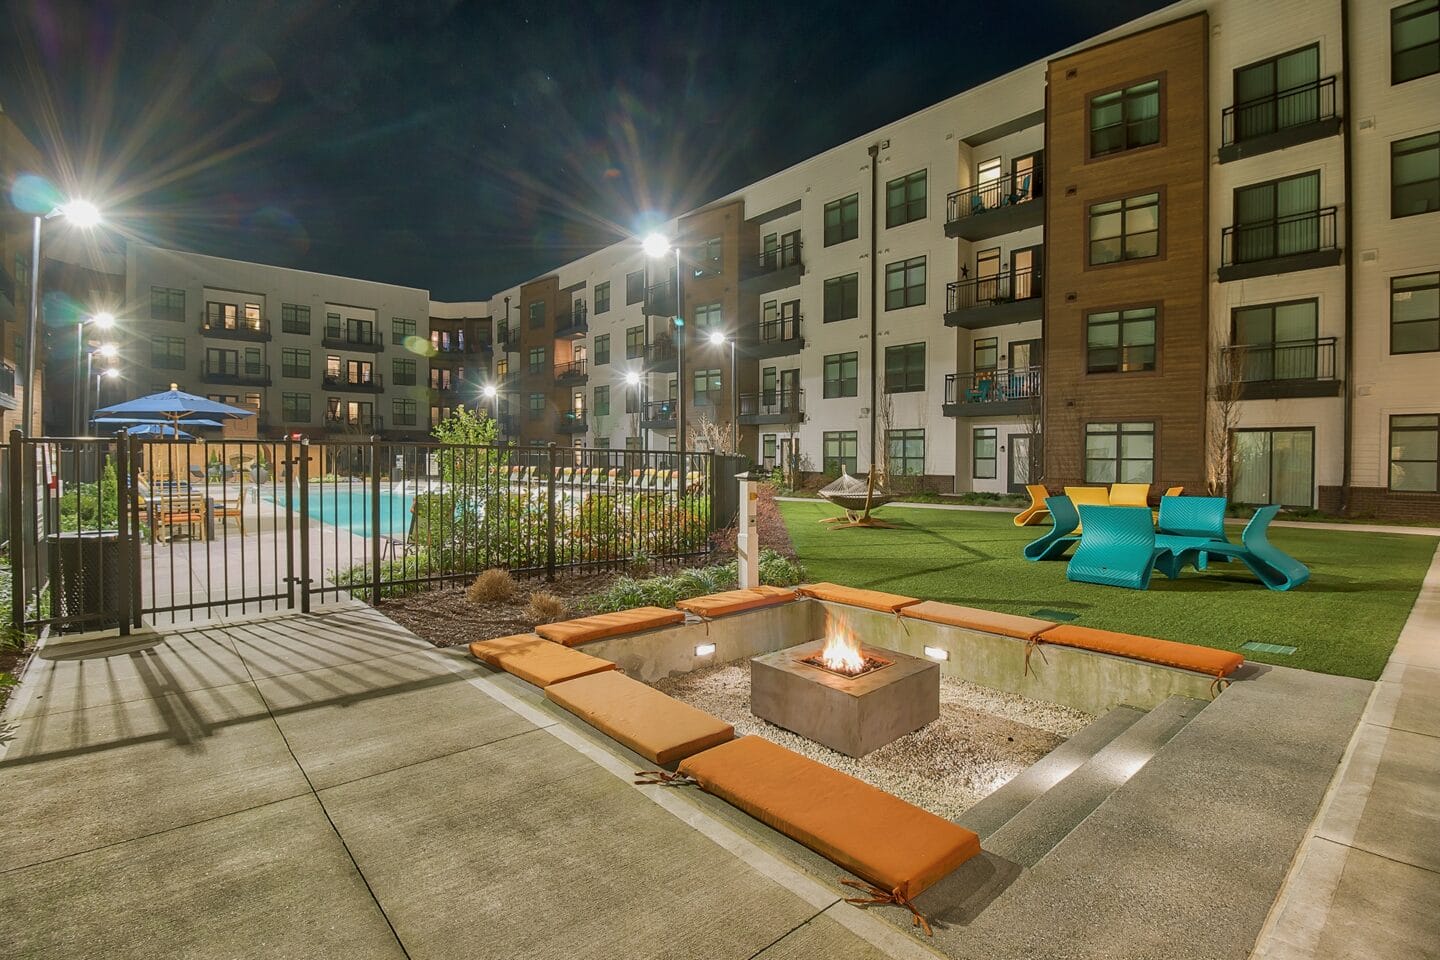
(350, 509)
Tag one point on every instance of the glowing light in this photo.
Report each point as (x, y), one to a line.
(82, 213)
(108, 350)
(632, 378)
(104, 320)
(937, 653)
(490, 392)
(110, 373)
(716, 337)
(655, 245)
(704, 649)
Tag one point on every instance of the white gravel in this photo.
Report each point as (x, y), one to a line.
(982, 739)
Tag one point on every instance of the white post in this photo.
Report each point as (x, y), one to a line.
(747, 542)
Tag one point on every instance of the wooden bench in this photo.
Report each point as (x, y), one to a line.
(856, 597)
(572, 633)
(973, 618)
(659, 728)
(536, 660)
(737, 601)
(1186, 656)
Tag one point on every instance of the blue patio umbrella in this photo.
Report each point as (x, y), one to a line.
(146, 421)
(158, 430)
(174, 405)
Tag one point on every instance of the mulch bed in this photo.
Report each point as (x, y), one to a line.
(10, 664)
(447, 619)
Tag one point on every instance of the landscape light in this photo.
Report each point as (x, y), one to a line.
(704, 649)
(937, 653)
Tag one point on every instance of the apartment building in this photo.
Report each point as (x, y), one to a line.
(1201, 249)
(17, 155)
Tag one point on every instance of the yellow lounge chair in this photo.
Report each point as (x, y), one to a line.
(1129, 494)
(1037, 512)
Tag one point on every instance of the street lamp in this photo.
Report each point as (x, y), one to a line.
(103, 320)
(490, 393)
(716, 339)
(84, 214)
(657, 245)
(632, 380)
(109, 352)
(109, 373)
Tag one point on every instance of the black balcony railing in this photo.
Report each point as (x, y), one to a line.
(659, 351)
(356, 339)
(235, 371)
(773, 403)
(572, 370)
(988, 291)
(1297, 233)
(235, 328)
(780, 329)
(449, 349)
(787, 254)
(993, 386)
(573, 322)
(354, 381)
(571, 421)
(1007, 191)
(1296, 107)
(658, 411)
(1285, 360)
(358, 422)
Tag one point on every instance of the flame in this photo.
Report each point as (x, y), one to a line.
(842, 650)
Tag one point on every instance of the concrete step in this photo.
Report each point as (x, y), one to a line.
(992, 812)
(1034, 831)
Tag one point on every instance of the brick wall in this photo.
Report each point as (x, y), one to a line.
(1382, 504)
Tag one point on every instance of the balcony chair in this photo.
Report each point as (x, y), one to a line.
(977, 205)
(979, 392)
(1022, 194)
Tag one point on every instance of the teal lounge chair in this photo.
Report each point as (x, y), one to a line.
(1275, 568)
(1118, 548)
(1185, 518)
(1061, 536)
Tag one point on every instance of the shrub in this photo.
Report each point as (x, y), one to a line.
(493, 586)
(626, 593)
(780, 571)
(544, 607)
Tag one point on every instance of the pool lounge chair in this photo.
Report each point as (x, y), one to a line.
(1036, 513)
(1274, 567)
(1118, 549)
(1190, 517)
(1061, 536)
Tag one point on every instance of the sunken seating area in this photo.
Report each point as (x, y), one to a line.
(572, 633)
(659, 728)
(1183, 656)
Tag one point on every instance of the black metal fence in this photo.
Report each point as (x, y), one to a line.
(113, 531)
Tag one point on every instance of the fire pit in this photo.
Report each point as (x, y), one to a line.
(851, 698)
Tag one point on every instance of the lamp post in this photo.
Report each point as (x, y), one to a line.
(493, 395)
(109, 351)
(103, 321)
(656, 245)
(632, 380)
(82, 213)
(716, 339)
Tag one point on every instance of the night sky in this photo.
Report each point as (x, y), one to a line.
(464, 147)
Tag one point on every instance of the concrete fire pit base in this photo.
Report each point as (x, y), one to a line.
(852, 716)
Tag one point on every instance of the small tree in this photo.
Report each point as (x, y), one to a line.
(1032, 421)
(467, 438)
(1227, 368)
(706, 434)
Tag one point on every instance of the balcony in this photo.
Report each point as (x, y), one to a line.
(660, 357)
(337, 339)
(236, 372)
(573, 372)
(1004, 392)
(660, 299)
(446, 389)
(997, 207)
(772, 270)
(658, 415)
(570, 422)
(509, 341)
(355, 383)
(449, 351)
(1280, 120)
(1290, 368)
(772, 407)
(1299, 241)
(7, 386)
(779, 337)
(360, 423)
(576, 323)
(994, 301)
(255, 329)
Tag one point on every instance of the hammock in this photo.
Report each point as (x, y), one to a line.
(856, 497)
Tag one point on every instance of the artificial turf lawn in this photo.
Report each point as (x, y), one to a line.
(1345, 620)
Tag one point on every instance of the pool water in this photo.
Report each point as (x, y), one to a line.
(350, 509)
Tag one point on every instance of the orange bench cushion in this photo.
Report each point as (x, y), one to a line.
(986, 621)
(1186, 656)
(537, 660)
(855, 597)
(878, 837)
(735, 601)
(575, 632)
(659, 728)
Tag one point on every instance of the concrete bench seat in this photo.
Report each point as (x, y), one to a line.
(659, 728)
(856, 597)
(737, 601)
(896, 847)
(972, 618)
(1186, 656)
(572, 633)
(537, 660)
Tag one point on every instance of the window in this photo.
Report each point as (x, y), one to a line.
(709, 258)
(984, 445)
(634, 287)
(402, 371)
(905, 283)
(403, 412)
(1127, 229)
(767, 451)
(1415, 175)
(441, 378)
(602, 297)
(842, 297)
(537, 313)
(537, 359)
(166, 303)
(294, 318)
(332, 326)
(536, 405)
(707, 318)
(401, 329)
(295, 407)
(986, 354)
(1277, 219)
(1273, 466)
(1414, 40)
(632, 399)
(1278, 341)
(842, 220)
(1120, 341)
(602, 349)
(1277, 93)
(842, 375)
(167, 353)
(906, 450)
(905, 368)
(295, 362)
(840, 449)
(905, 199)
(1125, 119)
(1120, 452)
(707, 387)
(1415, 313)
(1415, 453)
(634, 342)
(602, 401)
(332, 368)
